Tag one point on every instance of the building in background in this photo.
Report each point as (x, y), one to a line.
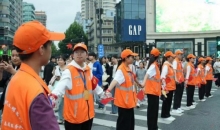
(28, 12)
(78, 18)
(90, 16)
(41, 16)
(130, 25)
(11, 19)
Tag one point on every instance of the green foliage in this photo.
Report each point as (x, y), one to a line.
(74, 34)
(55, 51)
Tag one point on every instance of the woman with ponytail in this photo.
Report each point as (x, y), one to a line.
(152, 86)
(168, 84)
(209, 77)
(190, 81)
(201, 78)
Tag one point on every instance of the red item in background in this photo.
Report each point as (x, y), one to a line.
(94, 82)
(106, 100)
(214, 79)
(140, 95)
(69, 46)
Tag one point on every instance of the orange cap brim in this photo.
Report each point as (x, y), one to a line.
(54, 36)
(134, 54)
(173, 55)
(80, 47)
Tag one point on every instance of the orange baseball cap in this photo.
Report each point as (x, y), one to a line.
(209, 58)
(80, 45)
(178, 52)
(191, 56)
(127, 52)
(201, 59)
(169, 53)
(155, 52)
(31, 35)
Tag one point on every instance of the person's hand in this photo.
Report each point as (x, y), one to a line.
(177, 81)
(185, 83)
(164, 93)
(9, 68)
(106, 94)
(53, 99)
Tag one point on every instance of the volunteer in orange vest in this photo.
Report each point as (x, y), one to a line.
(179, 78)
(209, 77)
(201, 78)
(27, 105)
(76, 84)
(152, 84)
(190, 81)
(125, 93)
(168, 83)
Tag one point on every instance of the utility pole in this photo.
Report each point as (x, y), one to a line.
(95, 23)
(100, 24)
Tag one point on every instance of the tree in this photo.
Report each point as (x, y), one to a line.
(74, 34)
(55, 51)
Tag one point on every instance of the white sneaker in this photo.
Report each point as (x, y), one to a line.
(169, 119)
(210, 96)
(138, 105)
(186, 108)
(192, 107)
(181, 110)
(176, 111)
(194, 103)
(104, 109)
(172, 118)
(203, 100)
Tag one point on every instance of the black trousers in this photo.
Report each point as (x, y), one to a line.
(208, 88)
(190, 93)
(125, 119)
(152, 111)
(83, 126)
(167, 105)
(217, 82)
(202, 91)
(178, 95)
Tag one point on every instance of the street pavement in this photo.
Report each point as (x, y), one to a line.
(204, 117)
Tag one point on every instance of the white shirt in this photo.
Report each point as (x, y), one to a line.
(57, 71)
(216, 66)
(114, 70)
(164, 71)
(188, 70)
(137, 63)
(174, 64)
(66, 81)
(132, 67)
(151, 71)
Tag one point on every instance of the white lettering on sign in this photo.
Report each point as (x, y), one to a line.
(134, 29)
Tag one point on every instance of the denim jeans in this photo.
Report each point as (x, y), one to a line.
(97, 100)
(60, 110)
(114, 108)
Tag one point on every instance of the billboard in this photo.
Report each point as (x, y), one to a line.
(187, 15)
(133, 30)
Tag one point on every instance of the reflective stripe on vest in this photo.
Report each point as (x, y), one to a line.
(179, 70)
(125, 89)
(155, 80)
(76, 96)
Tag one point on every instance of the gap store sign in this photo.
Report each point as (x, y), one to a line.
(133, 30)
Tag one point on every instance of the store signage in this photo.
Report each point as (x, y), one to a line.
(133, 30)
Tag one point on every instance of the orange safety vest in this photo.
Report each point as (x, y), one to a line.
(76, 108)
(179, 71)
(192, 75)
(171, 84)
(209, 75)
(125, 95)
(153, 84)
(23, 88)
(201, 76)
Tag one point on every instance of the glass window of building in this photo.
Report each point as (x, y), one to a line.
(134, 1)
(211, 48)
(134, 15)
(134, 7)
(141, 1)
(142, 8)
(127, 1)
(127, 15)
(127, 7)
(142, 15)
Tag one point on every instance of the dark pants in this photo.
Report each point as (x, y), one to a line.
(190, 93)
(208, 88)
(178, 95)
(152, 111)
(125, 119)
(83, 126)
(202, 91)
(167, 105)
(217, 82)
